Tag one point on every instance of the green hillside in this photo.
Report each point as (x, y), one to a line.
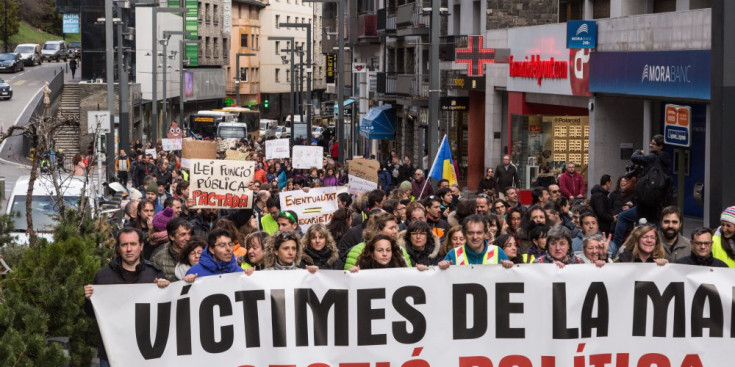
(29, 34)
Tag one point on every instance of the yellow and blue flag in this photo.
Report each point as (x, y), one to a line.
(443, 167)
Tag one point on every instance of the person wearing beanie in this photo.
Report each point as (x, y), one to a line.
(151, 193)
(158, 238)
(723, 242)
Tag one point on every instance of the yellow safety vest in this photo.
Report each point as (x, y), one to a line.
(491, 256)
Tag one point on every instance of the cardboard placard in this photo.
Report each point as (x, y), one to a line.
(277, 148)
(313, 207)
(236, 155)
(305, 156)
(221, 184)
(197, 149)
(171, 144)
(152, 152)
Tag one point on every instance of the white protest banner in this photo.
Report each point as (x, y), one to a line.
(620, 315)
(363, 176)
(277, 148)
(315, 206)
(197, 149)
(152, 152)
(221, 184)
(305, 156)
(171, 144)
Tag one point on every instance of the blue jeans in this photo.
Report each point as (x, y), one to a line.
(626, 219)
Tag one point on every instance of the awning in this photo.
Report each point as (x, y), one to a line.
(346, 103)
(379, 123)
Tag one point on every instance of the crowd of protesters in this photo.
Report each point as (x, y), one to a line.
(406, 222)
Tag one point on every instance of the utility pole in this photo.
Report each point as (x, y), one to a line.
(433, 125)
(292, 98)
(110, 74)
(124, 98)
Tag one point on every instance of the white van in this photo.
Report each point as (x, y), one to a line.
(268, 128)
(43, 205)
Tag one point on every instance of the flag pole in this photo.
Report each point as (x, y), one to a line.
(426, 180)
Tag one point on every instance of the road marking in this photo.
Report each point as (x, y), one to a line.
(17, 119)
(19, 82)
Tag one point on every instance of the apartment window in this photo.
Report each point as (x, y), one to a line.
(207, 15)
(278, 75)
(257, 42)
(200, 16)
(215, 13)
(243, 74)
(278, 47)
(278, 21)
(288, 76)
(252, 40)
(244, 40)
(288, 19)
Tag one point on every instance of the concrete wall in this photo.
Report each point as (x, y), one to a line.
(614, 120)
(514, 13)
(496, 76)
(686, 30)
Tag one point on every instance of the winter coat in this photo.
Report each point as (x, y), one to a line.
(506, 178)
(260, 175)
(618, 200)
(385, 179)
(430, 255)
(680, 249)
(166, 260)
(710, 260)
(353, 256)
(327, 258)
(486, 185)
(723, 249)
(419, 191)
(330, 181)
(209, 266)
(602, 207)
(547, 259)
(571, 185)
(145, 272)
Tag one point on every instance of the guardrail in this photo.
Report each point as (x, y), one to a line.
(36, 107)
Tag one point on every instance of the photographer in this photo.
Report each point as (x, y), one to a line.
(652, 188)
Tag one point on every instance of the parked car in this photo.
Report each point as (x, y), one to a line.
(75, 49)
(55, 50)
(30, 53)
(283, 132)
(6, 91)
(11, 62)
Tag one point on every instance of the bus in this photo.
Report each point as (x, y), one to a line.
(203, 124)
(251, 118)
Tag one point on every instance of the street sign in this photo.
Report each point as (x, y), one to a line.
(581, 34)
(70, 22)
(98, 120)
(678, 127)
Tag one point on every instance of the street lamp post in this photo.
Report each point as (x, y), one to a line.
(292, 101)
(308, 70)
(182, 50)
(154, 23)
(341, 8)
(239, 75)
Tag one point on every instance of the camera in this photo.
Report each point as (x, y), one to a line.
(632, 170)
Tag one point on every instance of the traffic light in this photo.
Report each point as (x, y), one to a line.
(266, 103)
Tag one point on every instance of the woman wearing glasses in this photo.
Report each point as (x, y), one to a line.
(644, 246)
(421, 244)
(320, 249)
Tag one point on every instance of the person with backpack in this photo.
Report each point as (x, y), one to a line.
(653, 188)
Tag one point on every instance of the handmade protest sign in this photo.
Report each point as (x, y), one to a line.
(221, 184)
(236, 155)
(276, 148)
(152, 152)
(306, 156)
(315, 206)
(171, 144)
(465, 316)
(197, 149)
(363, 176)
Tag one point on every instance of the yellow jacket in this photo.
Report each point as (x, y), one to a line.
(719, 252)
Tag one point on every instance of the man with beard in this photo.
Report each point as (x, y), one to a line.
(676, 245)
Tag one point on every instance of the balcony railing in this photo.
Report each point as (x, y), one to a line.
(415, 86)
(386, 22)
(411, 15)
(449, 44)
(386, 84)
(367, 25)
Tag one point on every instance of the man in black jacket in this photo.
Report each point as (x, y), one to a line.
(702, 250)
(506, 175)
(601, 204)
(127, 267)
